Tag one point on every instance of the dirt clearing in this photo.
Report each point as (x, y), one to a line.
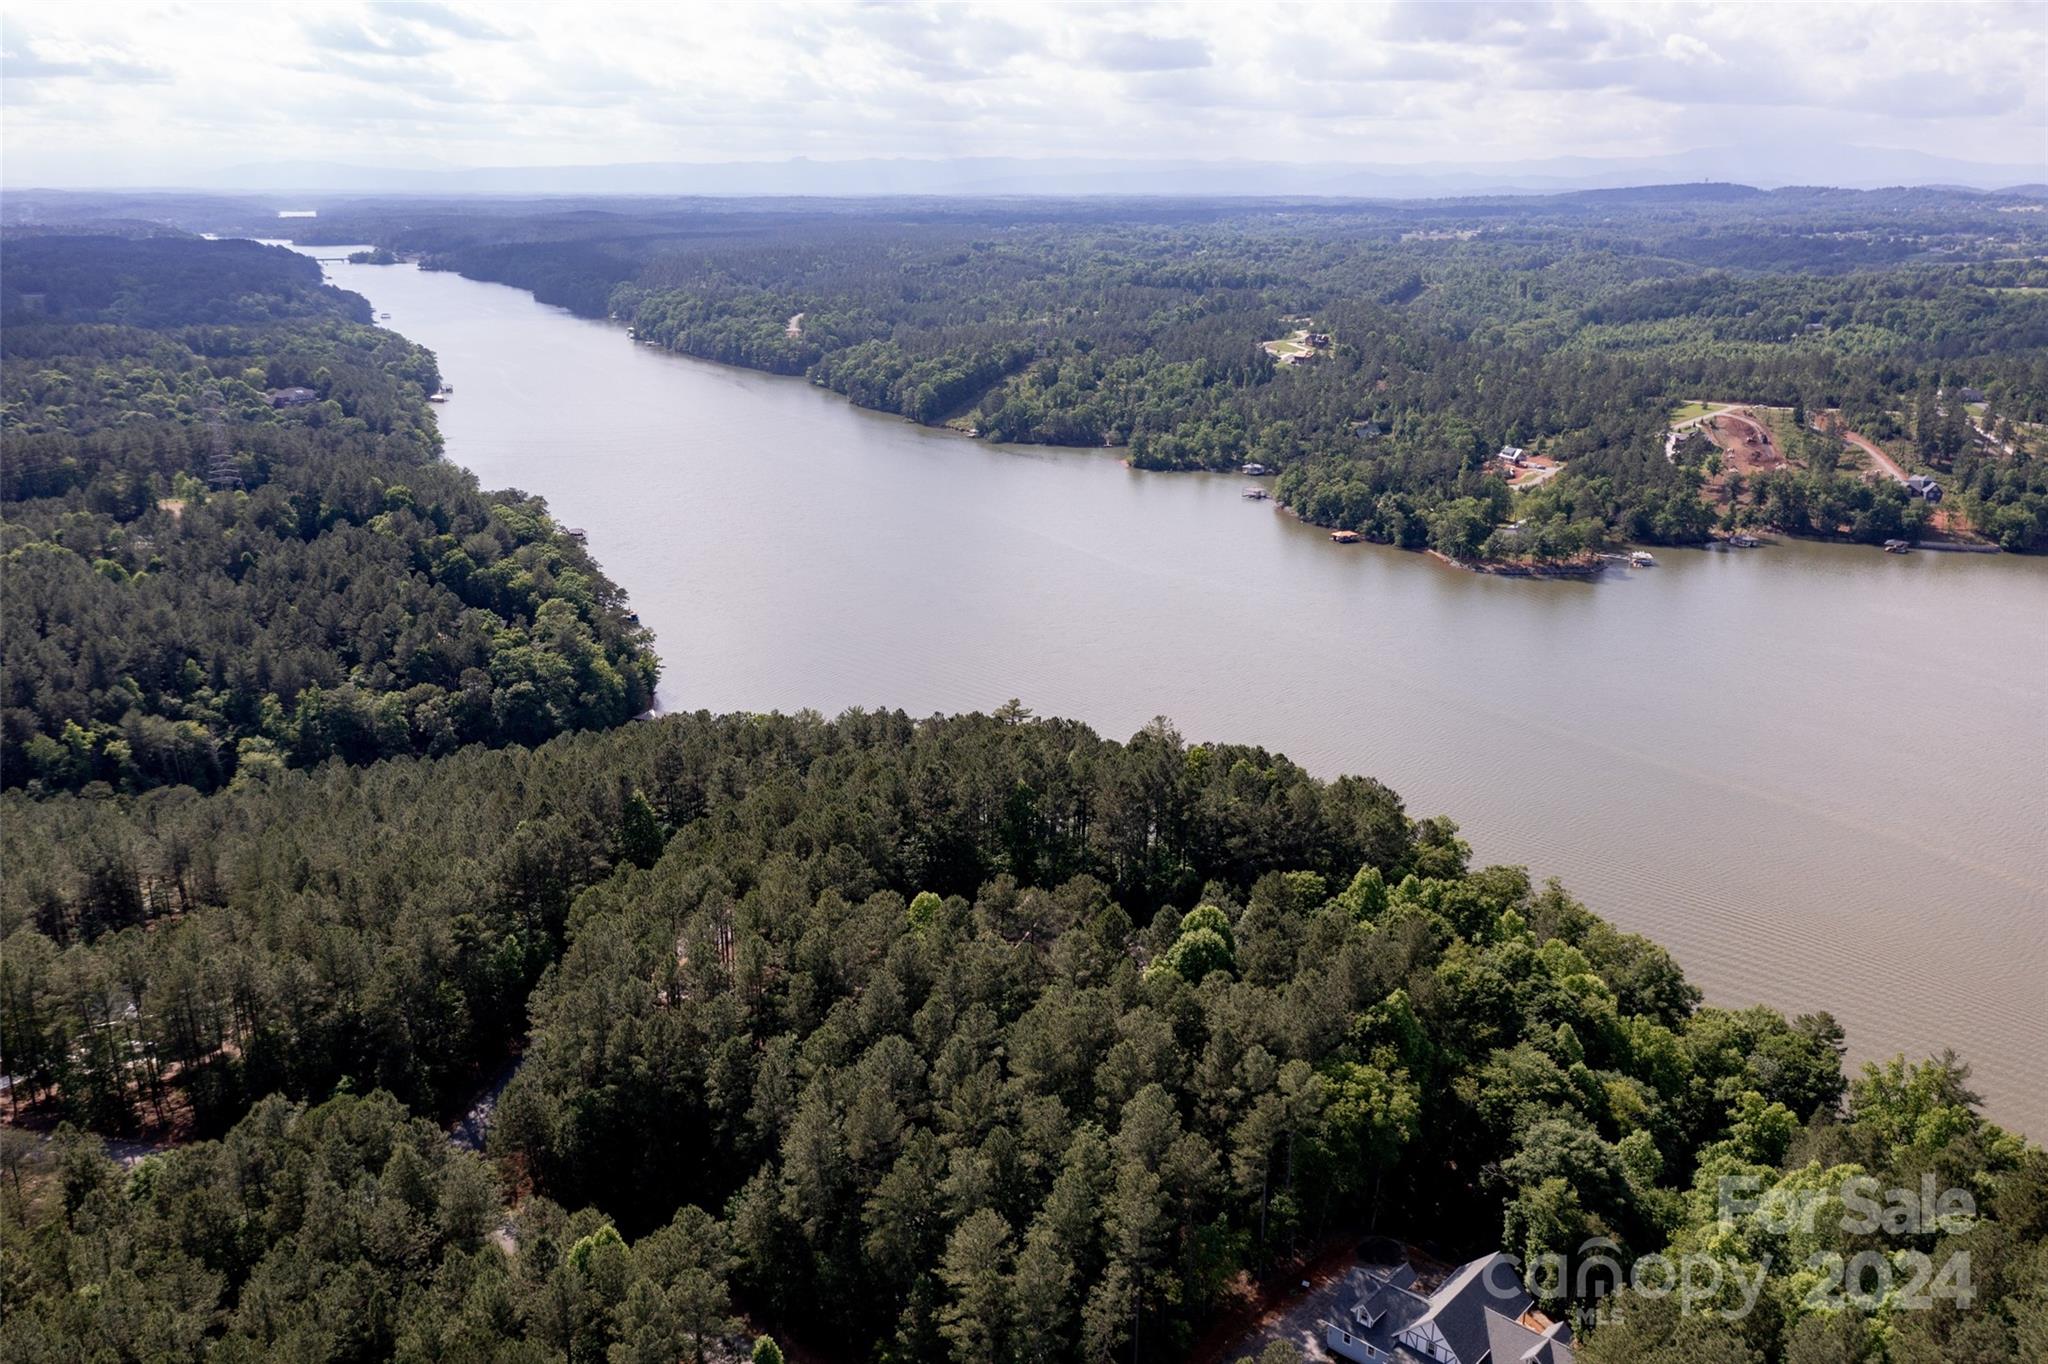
(1745, 444)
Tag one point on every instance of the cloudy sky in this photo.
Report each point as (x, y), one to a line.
(112, 93)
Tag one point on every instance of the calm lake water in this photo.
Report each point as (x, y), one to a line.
(1819, 774)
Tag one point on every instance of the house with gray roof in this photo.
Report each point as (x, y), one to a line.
(1480, 1314)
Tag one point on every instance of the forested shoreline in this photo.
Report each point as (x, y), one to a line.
(230, 539)
(1572, 326)
(962, 1038)
(975, 1037)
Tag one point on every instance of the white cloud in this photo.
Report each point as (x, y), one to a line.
(114, 93)
(1691, 51)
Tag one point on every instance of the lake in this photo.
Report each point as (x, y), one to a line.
(1819, 774)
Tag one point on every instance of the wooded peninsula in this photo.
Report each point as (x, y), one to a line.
(975, 1038)
(1380, 356)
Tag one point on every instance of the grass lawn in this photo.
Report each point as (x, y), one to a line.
(1778, 421)
(1686, 412)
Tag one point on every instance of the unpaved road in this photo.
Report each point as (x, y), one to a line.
(1761, 433)
(1678, 432)
(1297, 1318)
(1295, 1314)
(1877, 456)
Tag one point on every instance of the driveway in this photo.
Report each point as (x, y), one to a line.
(1298, 1319)
(1299, 1322)
(1877, 456)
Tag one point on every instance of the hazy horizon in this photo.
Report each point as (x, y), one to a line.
(1548, 95)
(1851, 169)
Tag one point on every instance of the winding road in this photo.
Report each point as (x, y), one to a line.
(1877, 456)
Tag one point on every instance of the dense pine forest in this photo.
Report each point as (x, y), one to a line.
(979, 1038)
(201, 582)
(1573, 326)
(974, 1038)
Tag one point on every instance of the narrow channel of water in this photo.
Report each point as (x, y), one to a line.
(1819, 774)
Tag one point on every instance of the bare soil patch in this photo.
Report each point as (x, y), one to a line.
(1745, 444)
(1534, 472)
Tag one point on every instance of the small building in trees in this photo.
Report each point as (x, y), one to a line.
(293, 397)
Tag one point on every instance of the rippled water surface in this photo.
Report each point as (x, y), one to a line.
(1819, 774)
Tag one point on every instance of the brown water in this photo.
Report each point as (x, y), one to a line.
(1819, 774)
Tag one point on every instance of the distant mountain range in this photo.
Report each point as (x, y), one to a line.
(1843, 167)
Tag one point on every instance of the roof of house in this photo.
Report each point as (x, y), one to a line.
(1394, 1307)
(1480, 1311)
(1509, 1340)
(1458, 1309)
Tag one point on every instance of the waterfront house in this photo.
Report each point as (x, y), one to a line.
(1480, 1314)
(292, 397)
(1920, 485)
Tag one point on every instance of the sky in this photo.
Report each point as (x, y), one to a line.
(122, 94)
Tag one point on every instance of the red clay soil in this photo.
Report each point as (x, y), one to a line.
(1260, 1305)
(1745, 443)
(1878, 457)
(1949, 523)
(1536, 470)
(163, 1119)
(1943, 523)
